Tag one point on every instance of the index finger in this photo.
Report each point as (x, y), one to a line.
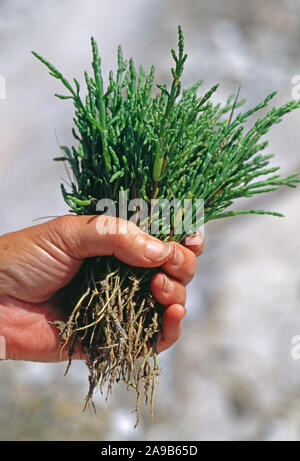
(181, 263)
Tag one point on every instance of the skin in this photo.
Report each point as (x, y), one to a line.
(38, 262)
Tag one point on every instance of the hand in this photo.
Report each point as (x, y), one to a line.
(37, 262)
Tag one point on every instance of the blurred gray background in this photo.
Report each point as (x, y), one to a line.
(231, 375)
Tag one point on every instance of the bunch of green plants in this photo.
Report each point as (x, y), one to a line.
(163, 144)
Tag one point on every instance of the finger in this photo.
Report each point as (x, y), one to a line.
(195, 243)
(27, 333)
(88, 236)
(172, 320)
(181, 263)
(167, 291)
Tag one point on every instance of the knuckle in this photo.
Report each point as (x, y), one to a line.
(65, 234)
(63, 224)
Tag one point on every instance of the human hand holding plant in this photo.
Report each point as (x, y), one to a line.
(38, 262)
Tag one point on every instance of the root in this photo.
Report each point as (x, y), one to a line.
(117, 322)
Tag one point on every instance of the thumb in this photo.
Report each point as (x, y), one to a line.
(87, 236)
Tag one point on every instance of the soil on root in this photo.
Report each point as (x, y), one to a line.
(117, 321)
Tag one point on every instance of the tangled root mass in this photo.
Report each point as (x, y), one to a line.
(117, 322)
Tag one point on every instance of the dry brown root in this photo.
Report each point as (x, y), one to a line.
(117, 322)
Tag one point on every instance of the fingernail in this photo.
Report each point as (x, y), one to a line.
(178, 257)
(167, 284)
(156, 251)
(195, 239)
(184, 311)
